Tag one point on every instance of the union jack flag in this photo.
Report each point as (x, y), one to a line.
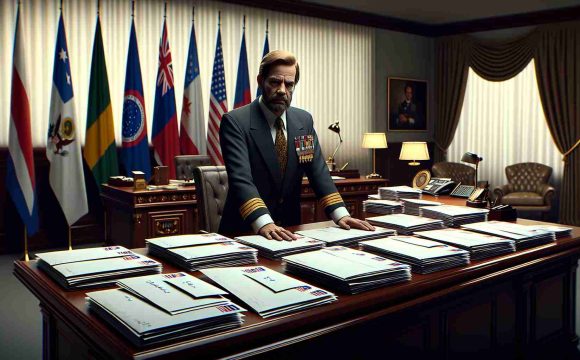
(218, 104)
(165, 76)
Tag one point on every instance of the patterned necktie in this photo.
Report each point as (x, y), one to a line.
(281, 145)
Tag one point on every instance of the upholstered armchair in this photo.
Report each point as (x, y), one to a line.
(184, 165)
(211, 188)
(458, 172)
(527, 187)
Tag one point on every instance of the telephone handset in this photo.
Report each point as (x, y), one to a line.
(439, 186)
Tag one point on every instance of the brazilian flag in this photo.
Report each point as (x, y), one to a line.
(100, 147)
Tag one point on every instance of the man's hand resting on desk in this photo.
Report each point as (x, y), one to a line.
(348, 222)
(272, 231)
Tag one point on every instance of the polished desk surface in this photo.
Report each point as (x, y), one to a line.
(256, 332)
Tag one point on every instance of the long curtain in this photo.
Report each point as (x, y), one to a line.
(555, 48)
(558, 72)
(323, 48)
(504, 123)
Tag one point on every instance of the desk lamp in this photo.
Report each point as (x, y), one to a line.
(472, 158)
(335, 128)
(414, 150)
(374, 141)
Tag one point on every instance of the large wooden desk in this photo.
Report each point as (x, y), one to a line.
(518, 305)
(133, 216)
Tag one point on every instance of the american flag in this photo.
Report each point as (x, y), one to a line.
(227, 308)
(218, 104)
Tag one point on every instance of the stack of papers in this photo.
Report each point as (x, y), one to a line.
(413, 206)
(406, 224)
(199, 251)
(559, 231)
(382, 206)
(93, 267)
(424, 256)
(268, 292)
(399, 192)
(374, 197)
(335, 235)
(351, 271)
(454, 215)
(524, 236)
(480, 246)
(273, 249)
(143, 323)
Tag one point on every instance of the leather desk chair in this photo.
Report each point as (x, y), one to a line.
(458, 172)
(211, 188)
(527, 188)
(184, 165)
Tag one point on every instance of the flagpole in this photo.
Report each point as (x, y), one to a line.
(192, 13)
(98, 7)
(219, 18)
(132, 9)
(165, 9)
(267, 23)
(60, 6)
(25, 245)
(69, 239)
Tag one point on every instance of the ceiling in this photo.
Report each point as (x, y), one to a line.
(437, 12)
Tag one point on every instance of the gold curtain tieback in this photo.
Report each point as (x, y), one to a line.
(565, 157)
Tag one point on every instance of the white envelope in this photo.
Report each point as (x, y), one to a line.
(273, 280)
(192, 285)
(169, 242)
(70, 256)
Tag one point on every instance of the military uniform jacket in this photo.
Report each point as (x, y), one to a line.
(256, 185)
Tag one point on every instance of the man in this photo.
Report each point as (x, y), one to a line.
(267, 146)
(407, 114)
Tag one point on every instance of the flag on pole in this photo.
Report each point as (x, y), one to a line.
(218, 104)
(63, 148)
(164, 136)
(266, 50)
(243, 95)
(135, 151)
(20, 178)
(100, 148)
(192, 134)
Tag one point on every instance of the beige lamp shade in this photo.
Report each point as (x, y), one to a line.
(374, 141)
(414, 150)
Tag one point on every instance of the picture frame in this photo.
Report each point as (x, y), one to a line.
(407, 104)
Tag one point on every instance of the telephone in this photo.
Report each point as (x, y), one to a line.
(439, 186)
(464, 191)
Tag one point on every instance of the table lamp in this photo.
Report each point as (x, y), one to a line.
(414, 150)
(335, 128)
(374, 141)
(472, 158)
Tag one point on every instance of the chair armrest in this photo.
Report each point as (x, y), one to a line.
(500, 191)
(547, 192)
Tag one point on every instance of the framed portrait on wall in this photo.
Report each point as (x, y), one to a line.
(406, 104)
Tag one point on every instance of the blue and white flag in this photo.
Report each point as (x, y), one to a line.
(63, 148)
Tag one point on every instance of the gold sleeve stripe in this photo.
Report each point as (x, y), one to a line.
(250, 206)
(331, 199)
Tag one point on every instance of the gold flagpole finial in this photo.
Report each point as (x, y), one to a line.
(26, 258)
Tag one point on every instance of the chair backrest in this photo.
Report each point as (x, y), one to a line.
(526, 177)
(184, 165)
(456, 171)
(211, 188)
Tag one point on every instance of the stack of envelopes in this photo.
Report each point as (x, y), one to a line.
(348, 270)
(335, 235)
(268, 292)
(480, 246)
(399, 192)
(273, 249)
(524, 236)
(413, 206)
(424, 256)
(93, 267)
(559, 231)
(157, 308)
(454, 215)
(199, 251)
(406, 224)
(382, 206)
